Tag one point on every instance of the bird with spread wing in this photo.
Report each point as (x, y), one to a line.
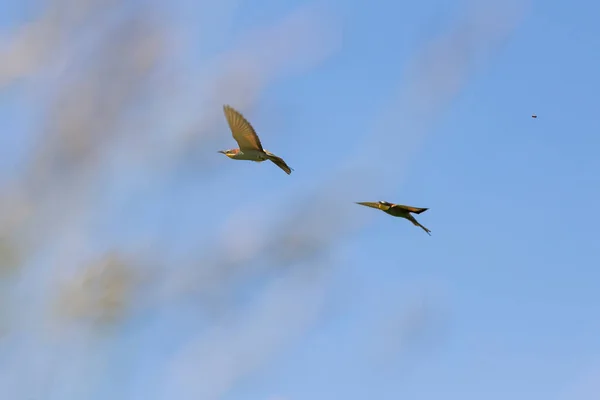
(398, 210)
(250, 146)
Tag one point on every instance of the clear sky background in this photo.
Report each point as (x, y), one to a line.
(138, 263)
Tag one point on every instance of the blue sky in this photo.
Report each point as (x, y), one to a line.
(427, 104)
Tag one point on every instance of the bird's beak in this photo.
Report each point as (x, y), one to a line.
(221, 151)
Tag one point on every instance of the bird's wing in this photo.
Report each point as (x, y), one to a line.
(243, 133)
(374, 205)
(415, 210)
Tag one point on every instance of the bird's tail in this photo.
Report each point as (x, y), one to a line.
(279, 162)
(416, 223)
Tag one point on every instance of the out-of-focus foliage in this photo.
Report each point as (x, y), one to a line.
(9, 256)
(101, 293)
(118, 104)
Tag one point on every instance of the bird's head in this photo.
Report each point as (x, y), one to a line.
(385, 203)
(229, 153)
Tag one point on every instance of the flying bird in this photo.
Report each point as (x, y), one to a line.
(250, 147)
(534, 116)
(398, 210)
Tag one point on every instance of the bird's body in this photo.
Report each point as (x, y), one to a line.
(398, 210)
(249, 155)
(250, 146)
